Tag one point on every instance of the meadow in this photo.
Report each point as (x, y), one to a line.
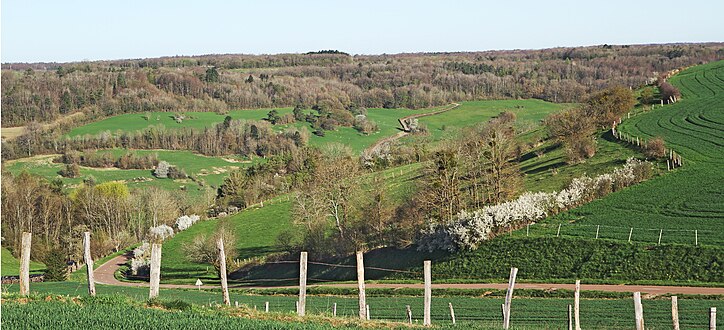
(529, 113)
(210, 170)
(256, 229)
(11, 265)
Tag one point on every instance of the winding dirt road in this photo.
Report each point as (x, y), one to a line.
(373, 149)
(104, 275)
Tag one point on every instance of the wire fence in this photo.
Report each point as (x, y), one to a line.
(622, 233)
(526, 312)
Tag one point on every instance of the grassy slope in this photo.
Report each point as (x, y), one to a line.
(11, 265)
(690, 198)
(135, 122)
(479, 312)
(679, 202)
(256, 230)
(386, 119)
(529, 113)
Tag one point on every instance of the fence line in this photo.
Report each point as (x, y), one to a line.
(522, 314)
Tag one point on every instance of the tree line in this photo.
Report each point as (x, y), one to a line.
(241, 137)
(117, 216)
(43, 92)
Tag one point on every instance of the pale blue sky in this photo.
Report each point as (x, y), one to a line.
(69, 30)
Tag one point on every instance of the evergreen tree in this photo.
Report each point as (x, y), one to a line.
(212, 75)
(57, 268)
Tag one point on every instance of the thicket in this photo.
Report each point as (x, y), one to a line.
(230, 137)
(116, 216)
(127, 161)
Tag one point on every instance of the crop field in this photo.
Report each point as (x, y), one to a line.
(478, 312)
(689, 201)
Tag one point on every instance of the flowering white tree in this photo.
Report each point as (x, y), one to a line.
(185, 221)
(141, 259)
(161, 170)
(160, 233)
(470, 229)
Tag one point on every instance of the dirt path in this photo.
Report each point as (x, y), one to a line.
(104, 275)
(405, 130)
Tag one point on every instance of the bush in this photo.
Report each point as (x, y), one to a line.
(470, 229)
(70, 171)
(579, 148)
(176, 173)
(655, 148)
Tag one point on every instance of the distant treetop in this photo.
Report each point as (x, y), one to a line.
(328, 51)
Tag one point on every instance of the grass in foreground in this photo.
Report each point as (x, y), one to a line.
(471, 312)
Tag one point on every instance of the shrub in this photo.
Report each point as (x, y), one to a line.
(160, 233)
(655, 148)
(579, 148)
(70, 171)
(176, 173)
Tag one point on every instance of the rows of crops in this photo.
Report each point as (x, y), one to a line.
(472, 311)
(690, 198)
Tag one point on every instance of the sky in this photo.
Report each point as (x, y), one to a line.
(76, 30)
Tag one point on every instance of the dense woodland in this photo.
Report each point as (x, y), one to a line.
(42, 92)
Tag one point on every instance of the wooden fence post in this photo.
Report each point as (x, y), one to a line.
(155, 270)
(361, 285)
(427, 273)
(527, 230)
(509, 297)
(452, 312)
(558, 233)
(598, 227)
(222, 270)
(660, 233)
(409, 314)
(367, 311)
(302, 303)
(570, 318)
(630, 233)
(266, 306)
(696, 237)
(89, 264)
(675, 312)
(639, 311)
(334, 309)
(712, 318)
(25, 264)
(577, 305)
